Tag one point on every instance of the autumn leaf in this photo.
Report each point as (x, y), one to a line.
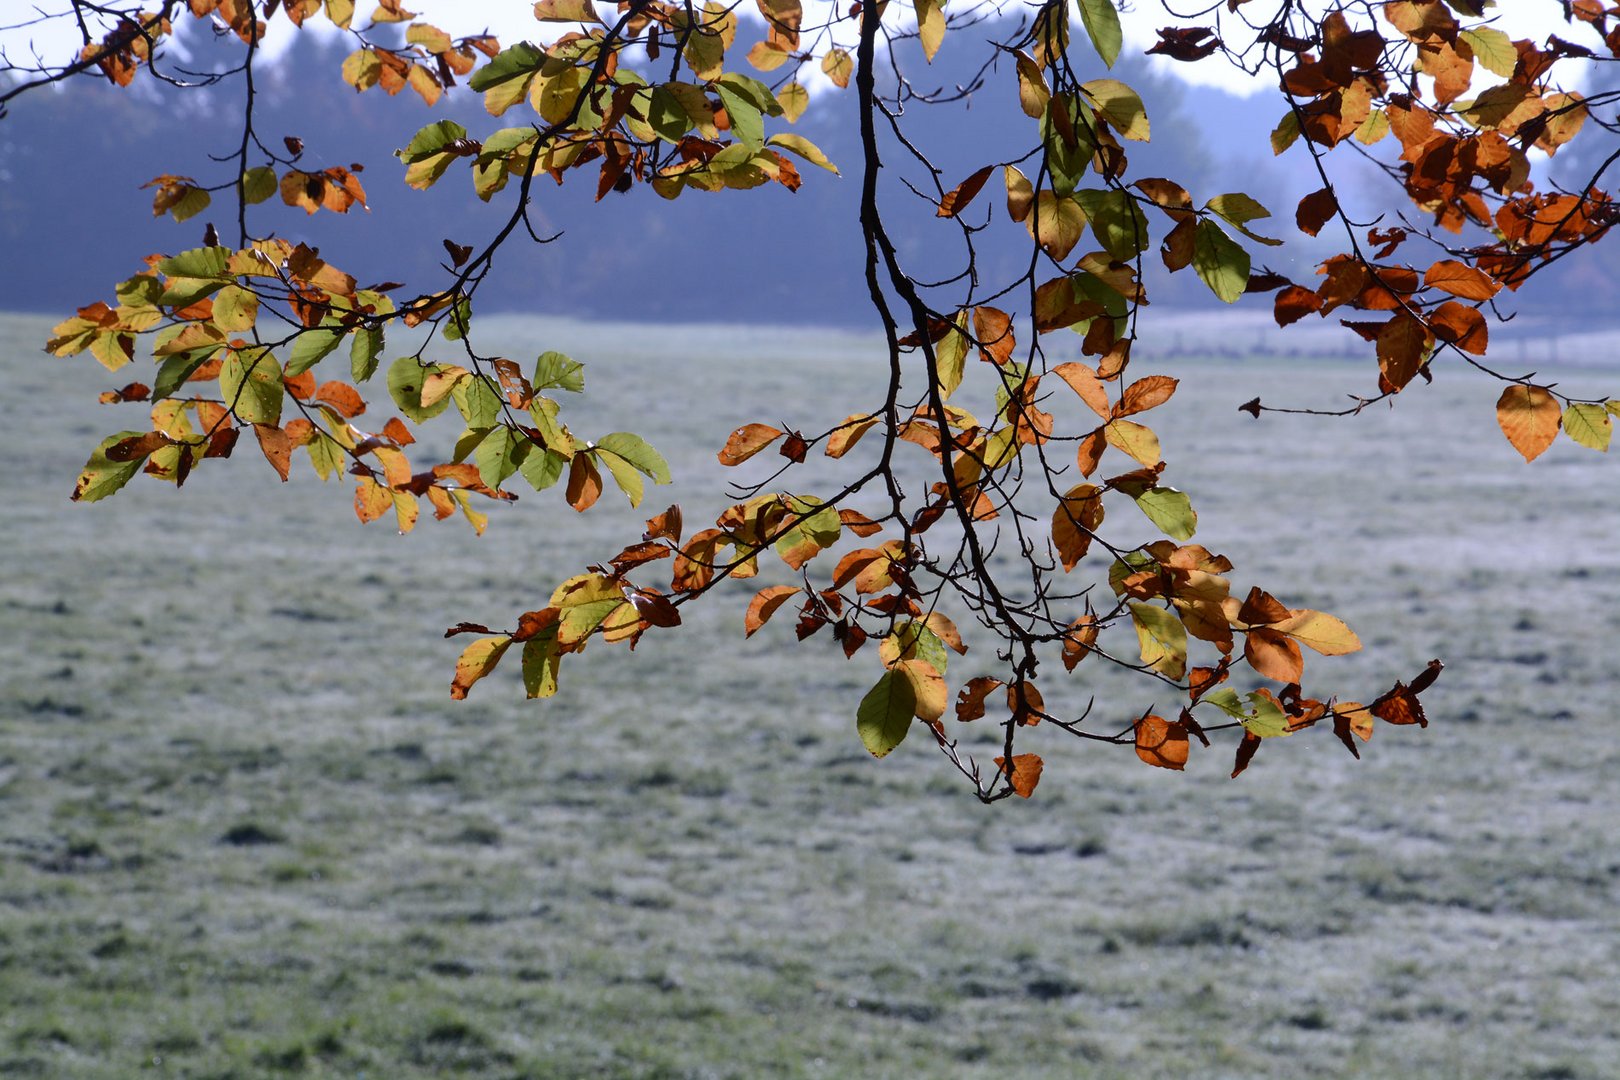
(1161, 743)
(764, 605)
(1024, 774)
(957, 199)
(747, 441)
(1529, 416)
(477, 660)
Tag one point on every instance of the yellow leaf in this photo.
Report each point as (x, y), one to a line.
(1135, 439)
(1056, 223)
(930, 25)
(1325, 633)
(1585, 422)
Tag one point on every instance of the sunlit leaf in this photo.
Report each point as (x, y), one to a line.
(1529, 416)
(884, 717)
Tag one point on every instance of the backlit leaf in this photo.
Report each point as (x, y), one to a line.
(1219, 261)
(1170, 510)
(1460, 279)
(250, 382)
(1161, 743)
(1078, 515)
(1325, 633)
(885, 713)
(477, 660)
(1529, 417)
(1589, 424)
(764, 605)
(101, 475)
(1102, 24)
(747, 441)
(1162, 637)
(1120, 106)
(1024, 774)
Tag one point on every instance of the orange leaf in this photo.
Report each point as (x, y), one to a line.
(747, 441)
(584, 483)
(1315, 210)
(1274, 655)
(1078, 640)
(1024, 774)
(1029, 713)
(1461, 325)
(1145, 394)
(342, 397)
(1076, 518)
(1083, 381)
(1529, 417)
(1294, 303)
(371, 500)
(970, 702)
(396, 430)
(666, 526)
(858, 523)
(993, 328)
(1460, 279)
(477, 660)
(764, 605)
(957, 199)
(277, 448)
(1161, 743)
(844, 437)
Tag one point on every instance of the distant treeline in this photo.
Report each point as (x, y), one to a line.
(72, 160)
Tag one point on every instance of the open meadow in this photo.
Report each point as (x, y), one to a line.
(244, 832)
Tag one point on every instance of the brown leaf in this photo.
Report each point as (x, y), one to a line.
(1024, 774)
(1400, 706)
(396, 430)
(1316, 210)
(1461, 325)
(764, 605)
(794, 448)
(584, 483)
(666, 526)
(858, 523)
(277, 448)
(1460, 279)
(1078, 640)
(1089, 451)
(1274, 655)
(1294, 303)
(1029, 712)
(1078, 515)
(1161, 743)
(956, 200)
(342, 397)
(1144, 394)
(970, 702)
(1083, 381)
(1245, 752)
(747, 441)
(993, 328)
(1529, 416)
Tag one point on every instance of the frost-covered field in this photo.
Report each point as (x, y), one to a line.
(244, 832)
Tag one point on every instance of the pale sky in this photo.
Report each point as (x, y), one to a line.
(512, 20)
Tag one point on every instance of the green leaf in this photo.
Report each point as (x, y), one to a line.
(1162, 637)
(499, 454)
(1170, 510)
(425, 156)
(518, 62)
(405, 378)
(1589, 425)
(1493, 49)
(1066, 161)
(1120, 106)
(363, 353)
(173, 373)
(192, 203)
(635, 451)
(541, 660)
(950, 354)
(818, 530)
(802, 146)
(250, 382)
(1115, 220)
(235, 309)
(624, 475)
(746, 122)
(583, 602)
(543, 468)
(1240, 209)
(914, 641)
(311, 348)
(554, 371)
(1220, 262)
(102, 476)
(1102, 23)
(258, 184)
(478, 400)
(667, 116)
(1226, 700)
(327, 457)
(204, 262)
(752, 90)
(1266, 719)
(884, 716)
